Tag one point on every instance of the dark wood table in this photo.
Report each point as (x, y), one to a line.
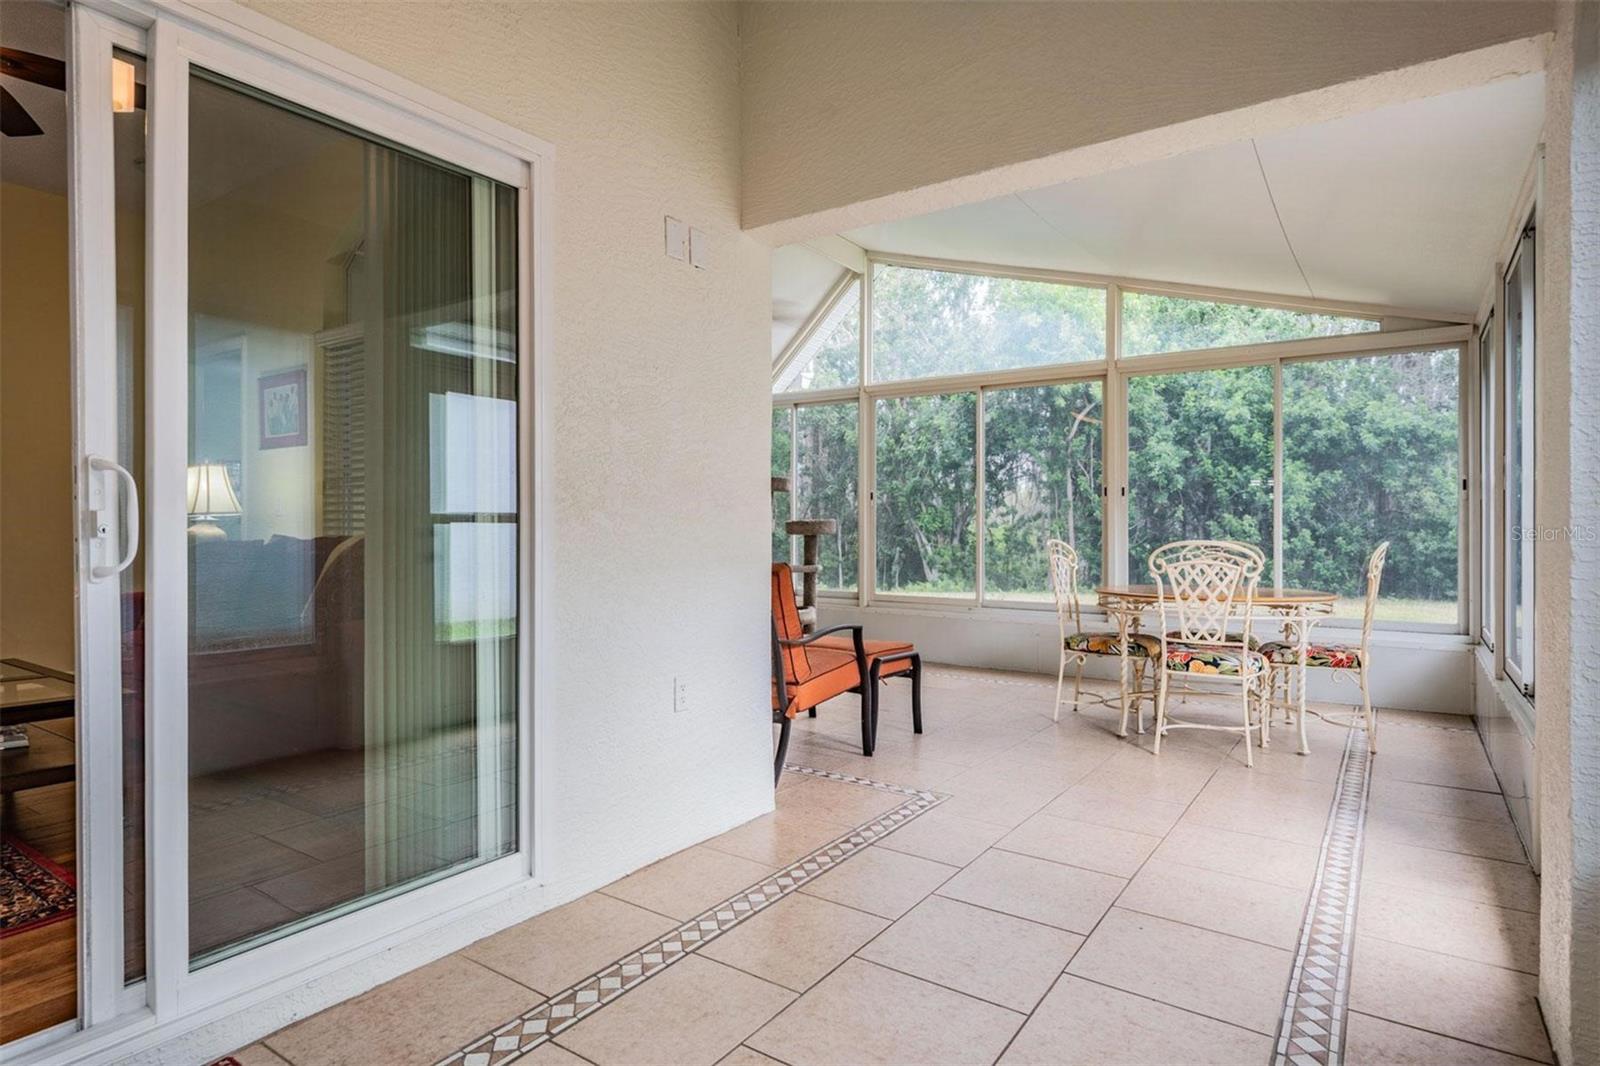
(31, 694)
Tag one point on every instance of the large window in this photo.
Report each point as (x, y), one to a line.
(825, 484)
(1199, 459)
(782, 453)
(1488, 480)
(927, 323)
(1154, 323)
(1042, 479)
(1520, 532)
(830, 355)
(927, 495)
(1313, 458)
(1371, 452)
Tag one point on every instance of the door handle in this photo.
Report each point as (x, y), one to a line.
(100, 464)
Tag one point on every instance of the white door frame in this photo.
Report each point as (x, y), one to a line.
(241, 45)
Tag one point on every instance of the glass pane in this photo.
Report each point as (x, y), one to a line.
(1042, 477)
(927, 495)
(1153, 323)
(1370, 453)
(1488, 485)
(353, 509)
(1520, 534)
(1199, 460)
(825, 485)
(128, 139)
(832, 357)
(932, 322)
(782, 447)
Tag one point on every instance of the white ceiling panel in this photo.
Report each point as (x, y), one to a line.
(800, 279)
(1203, 218)
(1402, 206)
(1005, 231)
(1406, 205)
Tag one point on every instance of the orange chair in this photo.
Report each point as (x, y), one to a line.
(876, 660)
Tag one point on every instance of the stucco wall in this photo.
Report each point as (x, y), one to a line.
(847, 102)
(657, 531)
(1567, 497)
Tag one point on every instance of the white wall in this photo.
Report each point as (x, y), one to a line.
(1567, 569)
(1423, 672)
(846, 103)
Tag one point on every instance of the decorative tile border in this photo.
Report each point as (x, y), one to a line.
(527, 1031)
(1312, 1030)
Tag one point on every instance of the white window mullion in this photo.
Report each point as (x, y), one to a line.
(1277, 474)
(979, 519)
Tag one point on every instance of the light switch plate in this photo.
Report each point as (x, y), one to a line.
(699, 249)
(677, 239)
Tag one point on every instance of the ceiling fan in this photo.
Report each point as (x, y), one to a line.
(52, 74)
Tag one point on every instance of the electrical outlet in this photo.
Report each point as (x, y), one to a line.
(680, 695)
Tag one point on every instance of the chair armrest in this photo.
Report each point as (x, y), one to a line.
(819, 634)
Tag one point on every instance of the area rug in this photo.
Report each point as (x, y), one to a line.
(33, 890)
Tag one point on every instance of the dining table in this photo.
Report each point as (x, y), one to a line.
(1296, 610)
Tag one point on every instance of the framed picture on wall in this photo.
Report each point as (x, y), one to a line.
(283, 408)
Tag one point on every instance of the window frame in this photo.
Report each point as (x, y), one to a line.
(1443, 330)
(1519, 670)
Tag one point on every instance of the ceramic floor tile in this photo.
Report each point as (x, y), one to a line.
(258, 1055)
(1373, 1041)
(1161, 780)
(747, 1056)
(779, 838)
(983, 953)
(242, 862)
(321, 885)
(695, 1012)
(836, 801)
(944, 837)
(885, 883)
(325, 839)
(1093, 847)
(1467, 770)
(796, 941)
(1081, 1023)
(1295, 822)
(551, 1054)
(999, 801)
(865, 1014)
(255, 817)
(1454, 997)
(230, 916)
(1223, 903)
(1487, 840)
(686, 883)
(1279, 862)
(1084, 803)
(1446, 873)
(551, 951)
(1389, 794)
(1222, 977)
(385, 1024)
(1066, 897)
(1476, 931)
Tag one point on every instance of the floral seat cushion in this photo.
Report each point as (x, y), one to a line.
(1334, 656)
(1139, 644)
(1210, 659)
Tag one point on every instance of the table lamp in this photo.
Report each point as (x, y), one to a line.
(211, 496)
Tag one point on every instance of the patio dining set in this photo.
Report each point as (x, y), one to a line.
(1207, 599)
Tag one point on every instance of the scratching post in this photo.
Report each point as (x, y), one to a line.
(810, 531)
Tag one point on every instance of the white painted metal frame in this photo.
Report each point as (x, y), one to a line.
(256, 51)
(100, 544)
(1113, 372)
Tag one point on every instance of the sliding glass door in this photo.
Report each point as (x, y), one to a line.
(352, 518)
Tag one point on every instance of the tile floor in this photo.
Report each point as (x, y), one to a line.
(1063, 896)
